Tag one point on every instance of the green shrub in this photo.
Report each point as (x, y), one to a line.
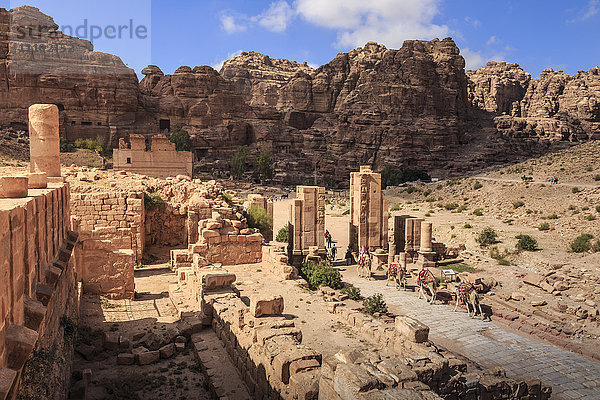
(526, 243)
(152, 201)
(461, 208)
(282, 235)
(596, 246)
(572, 207)
(321, 274)
(590, 217)
(598, 209)
(501, 258)
(451, 206)
(258, 218)
(91, 144)
(487, 237)
(395, 207)
(575, 190)
(238, 165)
(467, 226)
(427, 193)
(327, 201)
(478, 212)
(182, 140)
(544, 226)
(581, 243)
(374, 304)
(518, 203)
(477, 185)
(393, 176)
(552, 216)
(411, 189)
(597, 177)
(66, 146)
(352, 292)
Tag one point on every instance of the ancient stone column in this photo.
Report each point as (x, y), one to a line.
(44, 139)
(426, 232)
(391, 252)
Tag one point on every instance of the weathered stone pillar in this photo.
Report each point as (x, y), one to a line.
(44, 139)
(426, 233)
(391, 252)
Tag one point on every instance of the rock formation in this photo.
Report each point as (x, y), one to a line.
(556, 106)
(414, 106)
(95, 92)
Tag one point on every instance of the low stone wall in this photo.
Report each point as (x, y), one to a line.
(275, 256)
(38, 289)
(112, 227)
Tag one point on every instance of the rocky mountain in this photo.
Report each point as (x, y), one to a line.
(556, 106)
(38, 63)
(414, 106)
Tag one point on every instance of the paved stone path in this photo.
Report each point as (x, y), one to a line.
(571, 375)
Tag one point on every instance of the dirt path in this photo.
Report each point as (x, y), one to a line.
(564, 184)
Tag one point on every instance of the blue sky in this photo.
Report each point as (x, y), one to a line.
(535, 34)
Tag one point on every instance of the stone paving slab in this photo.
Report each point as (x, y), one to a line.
(571, 375)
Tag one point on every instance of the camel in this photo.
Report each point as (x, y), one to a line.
(426, 280)
(364, 264)
(397, 274)
(466, 293)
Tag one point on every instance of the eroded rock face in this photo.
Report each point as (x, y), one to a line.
(39, 64)
(556, 106)
(259, 77)
(498, 87)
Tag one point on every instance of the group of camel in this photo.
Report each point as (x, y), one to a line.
(464, 291)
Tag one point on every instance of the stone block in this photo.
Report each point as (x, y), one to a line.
(351, 379)
(167, 351)
(179, 347)
(19, 341)
(86, 351)
(35, 312)
(13, 187)
(52, 274)
(303, 365)
(110, 341)
(214, 281)
(412, 329)
(37, 180)
(125, 359)
(267, 306)
(7, 379)
(148, 357)
(305, 385)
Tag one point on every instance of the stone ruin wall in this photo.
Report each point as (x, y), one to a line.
(268, 352)
(38, 291)
(161, 161)
(112, 228)
(306, 223)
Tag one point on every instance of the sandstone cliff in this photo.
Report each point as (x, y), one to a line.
(414, 106)
(556, 106)
(94, 91)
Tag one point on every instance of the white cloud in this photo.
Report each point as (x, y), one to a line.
(313, 65)
(492, 40)
(230, 25)
(276, 18)
(218, 65)
(591, 10)
(474, 22)
(390, 22)
(473, 59)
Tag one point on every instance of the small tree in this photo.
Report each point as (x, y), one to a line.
(182, 140)
(581, 244)
(374, 304)
(526, 243)
(238, 166)
(263, 167)
(282, 235)
(258, 218)
(487, 237)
